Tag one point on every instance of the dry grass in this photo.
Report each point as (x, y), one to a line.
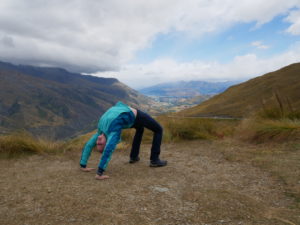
(199, 186)
(259, 130)
(273, 123)
(183, 129)
(22, 143)
(280, 160)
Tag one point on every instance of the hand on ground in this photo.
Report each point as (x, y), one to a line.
(87, 169)
(102, 177)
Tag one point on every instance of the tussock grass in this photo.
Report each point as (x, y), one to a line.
(189, 129)
(178, 129)
(277, 130)
(76, 144)
(273, 123)
(19, 142)
(259, 130)
(256, 129)
(22, 143)
(184, 129)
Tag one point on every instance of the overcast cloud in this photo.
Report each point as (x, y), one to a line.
(92, 36)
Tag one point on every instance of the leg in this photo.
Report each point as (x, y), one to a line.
(143, 119)
(135, 149)
(156, 142)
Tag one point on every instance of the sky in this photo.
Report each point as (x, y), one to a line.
(143, 43)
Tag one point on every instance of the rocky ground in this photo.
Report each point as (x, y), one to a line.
(199, 186)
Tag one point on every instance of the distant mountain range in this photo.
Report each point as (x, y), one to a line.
(54, 102)
(187, 89)
(270, 90)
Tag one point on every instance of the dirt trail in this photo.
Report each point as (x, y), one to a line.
(197, 187)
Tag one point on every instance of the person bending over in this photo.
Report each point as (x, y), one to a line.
(108, 135)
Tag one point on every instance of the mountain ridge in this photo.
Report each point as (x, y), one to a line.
(187, 88)
(57, 103)
(249, 97)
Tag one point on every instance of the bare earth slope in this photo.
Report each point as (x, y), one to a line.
(199, 186)
(243, 99)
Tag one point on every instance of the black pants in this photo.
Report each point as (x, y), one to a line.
(144, 120)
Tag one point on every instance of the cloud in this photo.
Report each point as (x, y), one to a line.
(165, 70)
(259, 45)
(294, 19)
(89, 36)
(7, 41)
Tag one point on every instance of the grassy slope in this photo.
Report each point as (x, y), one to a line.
(245, 98)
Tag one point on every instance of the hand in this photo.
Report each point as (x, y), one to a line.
(87, 169)
(102, 177)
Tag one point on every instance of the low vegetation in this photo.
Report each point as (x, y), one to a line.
(23, 143)
(261, 128)
(267, 130)
(251, 163)
(279, 123)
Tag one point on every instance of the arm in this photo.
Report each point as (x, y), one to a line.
(112, 141)
(86, 151)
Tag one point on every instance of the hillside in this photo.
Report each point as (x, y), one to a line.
(55, 102)
(186, 89)
(254, 95)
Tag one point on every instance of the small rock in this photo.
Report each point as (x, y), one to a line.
(160, 189)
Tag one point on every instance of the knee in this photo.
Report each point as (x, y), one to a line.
(159, 129)
(140, 129)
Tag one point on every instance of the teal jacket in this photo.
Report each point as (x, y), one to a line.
(110, 124)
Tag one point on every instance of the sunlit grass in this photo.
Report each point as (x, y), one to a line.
(183, 129)
(268, 130)
(22, 143)
(255, 129)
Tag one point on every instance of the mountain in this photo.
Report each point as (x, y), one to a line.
(54, 102)
(186, 89)
(265, 91)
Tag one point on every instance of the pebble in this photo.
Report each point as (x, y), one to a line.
(160, 189)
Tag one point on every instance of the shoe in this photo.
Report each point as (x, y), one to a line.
(158, 163)
(134, 160)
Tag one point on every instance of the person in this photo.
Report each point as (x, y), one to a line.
(108, 135)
